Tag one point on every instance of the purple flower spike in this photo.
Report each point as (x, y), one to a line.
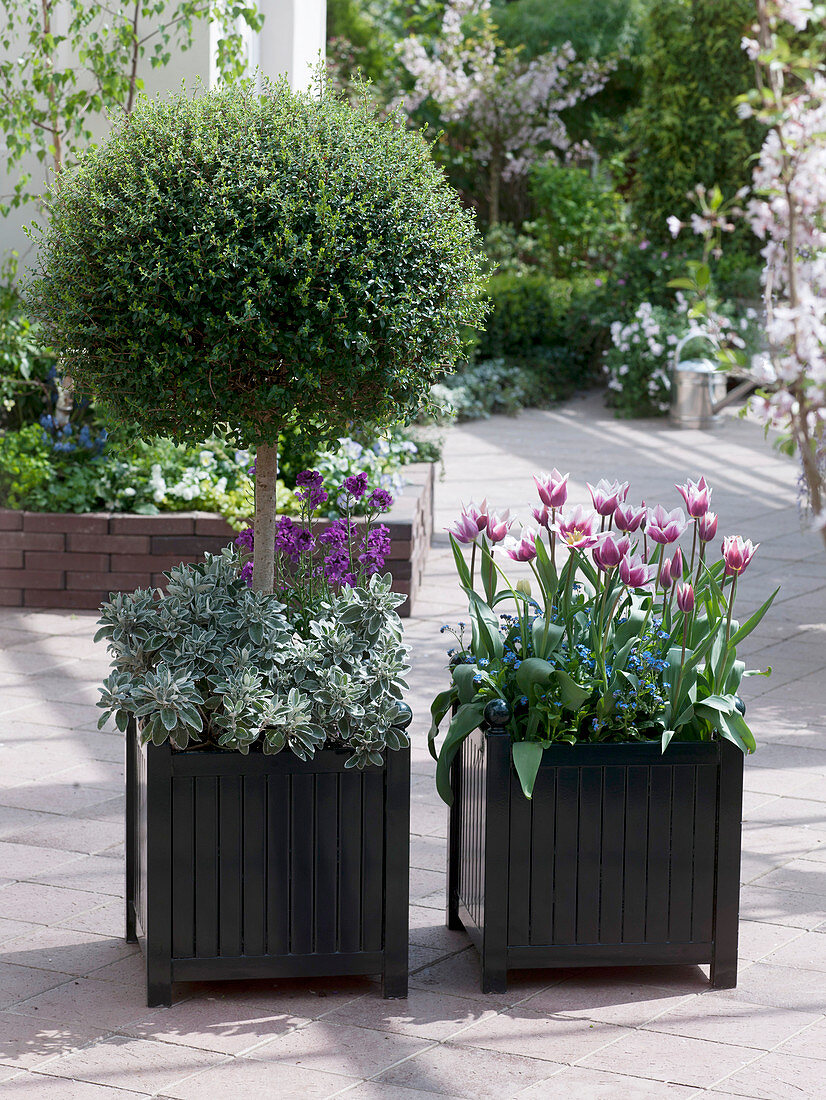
(380, 500)
(246, 539)
(356, 485)
(309, 479)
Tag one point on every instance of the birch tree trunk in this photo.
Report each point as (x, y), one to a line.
(266, 515)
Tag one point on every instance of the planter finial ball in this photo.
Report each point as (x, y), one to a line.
(497, 713)
(405, 716)
(740, 705)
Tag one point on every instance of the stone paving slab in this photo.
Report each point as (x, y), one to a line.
(73, 1019)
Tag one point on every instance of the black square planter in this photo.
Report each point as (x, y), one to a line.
(266, 866)
(625, 856)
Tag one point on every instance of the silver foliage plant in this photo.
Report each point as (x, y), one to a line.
(212, 664)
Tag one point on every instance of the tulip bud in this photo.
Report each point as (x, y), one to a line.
(523, 585)
(676, 567)
(665, 575)
(685, 598)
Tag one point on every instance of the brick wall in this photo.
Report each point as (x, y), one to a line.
(63, 560)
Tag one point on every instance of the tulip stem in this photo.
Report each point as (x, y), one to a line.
(473, 566)
(693, 548)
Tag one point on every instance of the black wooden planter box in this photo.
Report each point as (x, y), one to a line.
(265, 866)
(625, 856)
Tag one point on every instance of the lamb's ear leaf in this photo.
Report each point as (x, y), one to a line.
(527, 756)
(466, 719)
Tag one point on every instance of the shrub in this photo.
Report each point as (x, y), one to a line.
(27, 365)
(527, 313)
(686, 130)
(257, 260)
(580, 219)
(495, 386)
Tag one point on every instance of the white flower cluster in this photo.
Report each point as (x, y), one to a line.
(511, 106)
(641, 354)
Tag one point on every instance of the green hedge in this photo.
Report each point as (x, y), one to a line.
(536, 317)
(686, 130)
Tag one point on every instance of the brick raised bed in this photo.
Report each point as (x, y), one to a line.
(52, 559)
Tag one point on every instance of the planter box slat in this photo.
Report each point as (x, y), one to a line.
(266, 866)
(624, 855)
(287, 966)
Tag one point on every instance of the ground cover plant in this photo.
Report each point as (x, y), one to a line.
(622, 633)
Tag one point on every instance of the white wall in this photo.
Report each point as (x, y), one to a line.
(291, 41)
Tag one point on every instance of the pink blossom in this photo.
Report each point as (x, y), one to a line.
(607, 553)
(464, 529)
(552, 488)
(737, 553)
(578, 530)
(697, 496)
(524, 549)
(665, 527)
(479, 514)
(634, 572)
(685, 598)
(628, 518)
(607, 495)
(498, 526)
(542, 514)
(707, 526)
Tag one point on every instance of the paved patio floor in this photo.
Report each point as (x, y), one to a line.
(73, 1019)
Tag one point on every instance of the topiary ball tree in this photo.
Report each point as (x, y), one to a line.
(257, 259)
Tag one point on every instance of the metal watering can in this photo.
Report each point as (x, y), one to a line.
(698, 388)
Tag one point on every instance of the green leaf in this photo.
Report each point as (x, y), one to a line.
(749, 625)
(438, 709)
(721, 703)
(573, 694)
(463, 679)
(667, 735)
(545, 570)
(487, 568)
(461, 564)
(734, 728)
(466, 719)
(546, 637)
(527, 756)
(533, 670)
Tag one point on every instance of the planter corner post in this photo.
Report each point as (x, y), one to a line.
(497, 745)
(396, 874)
(723, 973)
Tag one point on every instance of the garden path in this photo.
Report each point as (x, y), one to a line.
(73, 1021)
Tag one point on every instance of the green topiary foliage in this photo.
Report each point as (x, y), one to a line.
(256, 260)
(686, 130)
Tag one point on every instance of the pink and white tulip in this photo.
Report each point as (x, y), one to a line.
(552, 488)
(685, 598)
(707, 526)
(522, 549)
(665, 527)
(627, 518)
(464, 529)
(607, 495)
(697, 497)
(737, 553)
(577, 530)
(497, 526)
(634, 572)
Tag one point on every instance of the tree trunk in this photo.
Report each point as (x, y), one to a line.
(494, 177)
(266, 515)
